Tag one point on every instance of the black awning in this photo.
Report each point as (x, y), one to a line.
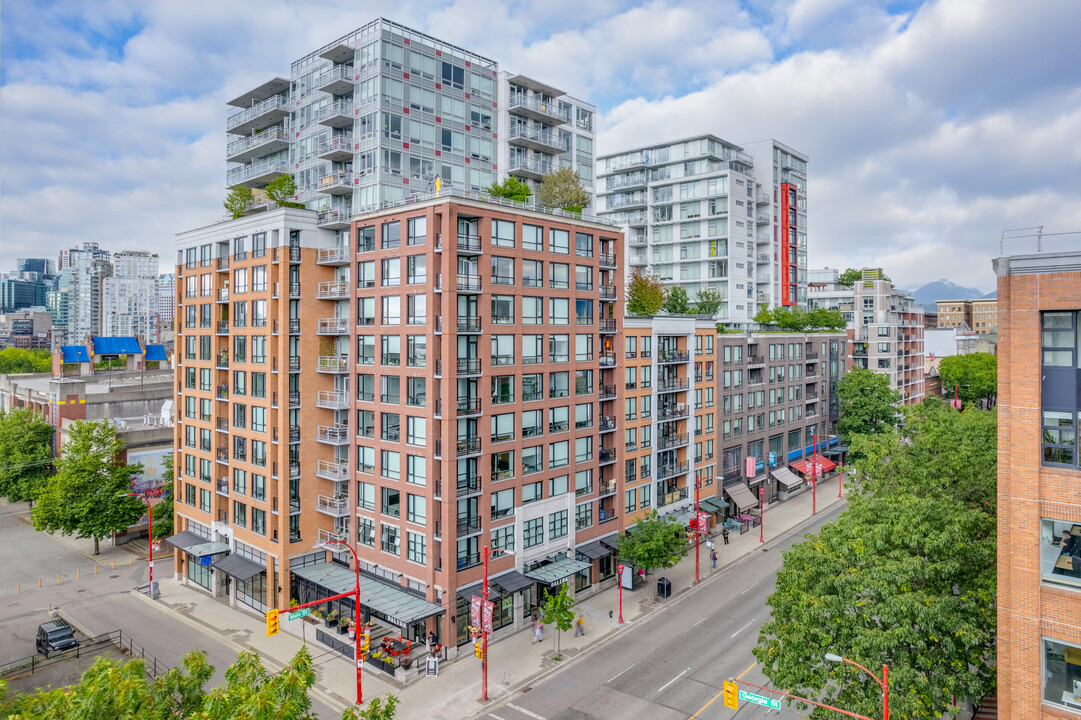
(478, 589)
(238, 567)
(511, 582)
(184, 540)
(595, 550)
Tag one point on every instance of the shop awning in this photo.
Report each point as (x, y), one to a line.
(741, 496)
(478, 589)
(784, 476)
(804, 466)
(123, 345)
(836, 451)
(156, 352)
(511, 582)
(184, 540)
(684, 515)
(239, 567)
(711, 505)
(594, 550)
(556, 571)
(74, 354)
(398, 606)
(208, 548)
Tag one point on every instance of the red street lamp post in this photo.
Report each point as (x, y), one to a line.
(484, 627)
(883, 682)
(697, 531)
(619, 569)
(840, 477)
(356, 615)
(150, 537)
(761, 515)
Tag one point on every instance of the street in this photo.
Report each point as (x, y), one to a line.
(672, 663)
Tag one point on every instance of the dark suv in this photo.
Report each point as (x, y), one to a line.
(55, 635)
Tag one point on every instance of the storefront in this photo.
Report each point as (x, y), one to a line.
(788, 483)
(248, 580)
(741, 501)
(550, 574)
(598, 552)
(198, 557)
(511, 594)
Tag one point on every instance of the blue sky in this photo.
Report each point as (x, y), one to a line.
(932, 127)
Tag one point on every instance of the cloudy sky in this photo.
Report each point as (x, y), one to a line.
(931, 127)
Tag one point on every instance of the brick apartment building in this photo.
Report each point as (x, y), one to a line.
(1039, 496)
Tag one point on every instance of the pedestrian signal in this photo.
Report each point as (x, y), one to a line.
(271, 622)
(365, 642)
(731, 695)
(478, 650)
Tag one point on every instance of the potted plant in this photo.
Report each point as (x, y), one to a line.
(293, 602)
(331, 619)
(343, 626)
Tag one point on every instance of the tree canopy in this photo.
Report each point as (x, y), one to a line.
(645, 294)
(282, 190)
(974, 374)
(866, 403)
(238, 200)
(26, 454)
(25, 360)
(798, 320)
(563, 188)
(512, 188)
(906, 576)
(851, 276)
(558, 610)
(676, 302)
(708, 301)
(82, 497)
(656, 542)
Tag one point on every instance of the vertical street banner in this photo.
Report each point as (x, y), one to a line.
(703, 523)
(489, 610)
(474, 611)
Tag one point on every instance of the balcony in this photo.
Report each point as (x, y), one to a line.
(608, 392)
(332, 326)
(762, 220)
(294, 326)
(468, 283)
(637, 240)
(222, 486)
(530, 107)
(672, 413)
(223, 264)
(673, 385)
(671, 497)
(223, 361)
(532, 168)
(259, 116)
(333, 434)
(326, 537)
(606, 456)
(335, 507)
(607, 423)
(334, 255)
(672, 356)
(335, 471)
(338, 364)
(606, 489)
(332, 290)
(469, 525)
(606, 360)
(468, 244)
(339, 183)
(468, 406)
(666, 442)
(256, 146)
(468, 366)
(535, 138)
(468, 485)
(333, 220)
(607, 260)
(223, 295)
(332, 400)
(258, 174)
(336, 115)
(608, 292)
(468, 445)
(468, 324)
(338, 80)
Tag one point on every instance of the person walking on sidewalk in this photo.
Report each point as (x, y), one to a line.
(537, 627)
(580, 627)
(713, 558)
(724, 534)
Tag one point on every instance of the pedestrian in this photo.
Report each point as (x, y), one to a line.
(580, 627)
(537, 631)
(713, 559)
(724, 534)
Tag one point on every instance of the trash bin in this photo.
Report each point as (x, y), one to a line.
(664, 587)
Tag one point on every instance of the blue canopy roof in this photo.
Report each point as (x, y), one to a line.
(74, 353)
(156, 352)
(128, 345)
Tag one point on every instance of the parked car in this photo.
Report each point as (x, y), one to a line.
(55, 635)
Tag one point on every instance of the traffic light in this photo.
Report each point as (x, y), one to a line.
(365, 642)
(478, 650)
(731, 695)
(271, 622)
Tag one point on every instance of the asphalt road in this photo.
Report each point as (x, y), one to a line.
(95, 604)
(674, 661)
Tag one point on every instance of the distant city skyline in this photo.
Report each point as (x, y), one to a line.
(932, 127)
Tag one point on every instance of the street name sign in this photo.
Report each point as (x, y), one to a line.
(299, 613)
(760, 700)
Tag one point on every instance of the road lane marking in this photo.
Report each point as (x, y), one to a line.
(677, 677)
(737, 632)
(495, 716)
(700, 622)
(749, 587)
(621, 672)
(522, 710)
(692, 717)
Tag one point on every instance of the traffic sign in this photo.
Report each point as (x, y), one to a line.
(760, 700)
(299, 613)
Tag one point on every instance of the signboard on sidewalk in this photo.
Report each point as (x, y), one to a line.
(431, 667)
(474, 611)
(760, 700)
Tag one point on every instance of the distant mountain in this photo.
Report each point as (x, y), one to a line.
(930, 293)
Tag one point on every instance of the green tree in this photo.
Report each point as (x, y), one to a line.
(708, 301)
(975, 375)
(25, 360)
(849, 277)
(563, 188)
(558, 610)
(238, 200)
(826, 319)
(765, 316)
(676, 302)
(375, 709)
(26, 454)
(250, 691)
(657, 542)
(867, 403)
(282, 190)
(82, 497)
(512, 188)
(645, 294)
(163, 511)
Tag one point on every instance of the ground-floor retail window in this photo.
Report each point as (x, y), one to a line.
(252, 592)
(1062, 674)
(607, 566)
(583, 579)
(199, 574)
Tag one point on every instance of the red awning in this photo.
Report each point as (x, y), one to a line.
(802, 465)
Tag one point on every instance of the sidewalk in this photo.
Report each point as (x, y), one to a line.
(514, 661)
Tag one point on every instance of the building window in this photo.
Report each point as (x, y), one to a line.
(1060, 553)
(1061, 677)
(503, 538)
(390, 541)
(416, 547)
(533, 532)
(557, 525)
(1060, 409)
(583, 516)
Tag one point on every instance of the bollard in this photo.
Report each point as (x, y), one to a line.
(78, 573)
(95, 569)
(39, 582)
(18, 588)
(58, 578)
(114, 564)
(131, 559)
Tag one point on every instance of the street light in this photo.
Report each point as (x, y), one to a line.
(883, 682)
(356, 612)
(150, 536)
(483, 629)
(619, 569)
